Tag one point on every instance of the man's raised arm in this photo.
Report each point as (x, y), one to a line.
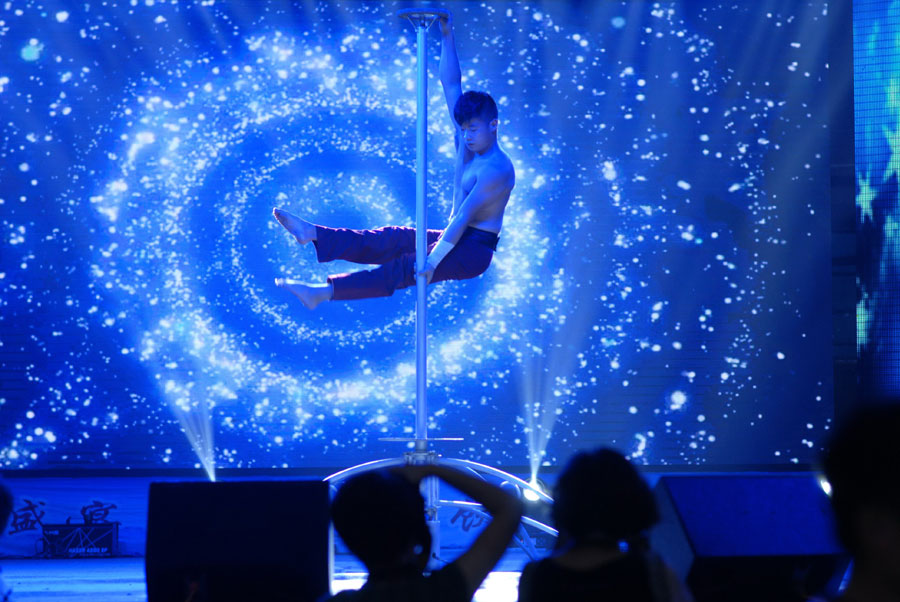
(506, 511)
(451, 78)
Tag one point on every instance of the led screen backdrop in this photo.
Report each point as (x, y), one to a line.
(662, 283)
(876, 58)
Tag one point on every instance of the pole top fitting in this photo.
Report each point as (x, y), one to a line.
(422, 17)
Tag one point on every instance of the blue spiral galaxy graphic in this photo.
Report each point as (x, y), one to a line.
(644, 294)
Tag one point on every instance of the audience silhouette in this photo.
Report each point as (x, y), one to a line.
(380, 515)
(602, 507)
(862, 465)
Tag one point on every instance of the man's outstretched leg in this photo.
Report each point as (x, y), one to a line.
(364, 284)
(468, 259)
(362, 246)
(311, 295)
(367, 247)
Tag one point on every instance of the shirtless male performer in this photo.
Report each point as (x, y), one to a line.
(483, 180)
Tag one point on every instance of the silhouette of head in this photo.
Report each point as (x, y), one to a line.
(601, 497)
(381, 517)
(861, 465)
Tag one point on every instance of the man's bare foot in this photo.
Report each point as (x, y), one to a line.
(302, 230)
(311, 295)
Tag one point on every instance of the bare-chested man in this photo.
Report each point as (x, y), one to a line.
(483, 180)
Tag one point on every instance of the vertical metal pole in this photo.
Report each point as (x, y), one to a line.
(421, 238)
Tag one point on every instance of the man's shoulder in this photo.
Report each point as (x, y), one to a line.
(502, 163)
(500, 167)
(498, 164)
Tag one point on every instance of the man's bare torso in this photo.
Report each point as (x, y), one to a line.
(494, 163)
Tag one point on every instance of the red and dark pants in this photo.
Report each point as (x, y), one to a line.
(393, 249)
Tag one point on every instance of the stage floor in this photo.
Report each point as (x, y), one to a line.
(122, 579)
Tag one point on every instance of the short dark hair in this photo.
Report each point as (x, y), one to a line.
(601, 496)
(474, 104)
(379, 514)
(6, 507)
(858, 463)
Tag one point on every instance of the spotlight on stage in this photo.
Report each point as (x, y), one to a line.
(194, 417)
(531, 495)
(547, 362)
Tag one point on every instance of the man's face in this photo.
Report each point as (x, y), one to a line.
(478, 134)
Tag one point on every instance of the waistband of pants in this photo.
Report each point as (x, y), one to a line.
(481, 236)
